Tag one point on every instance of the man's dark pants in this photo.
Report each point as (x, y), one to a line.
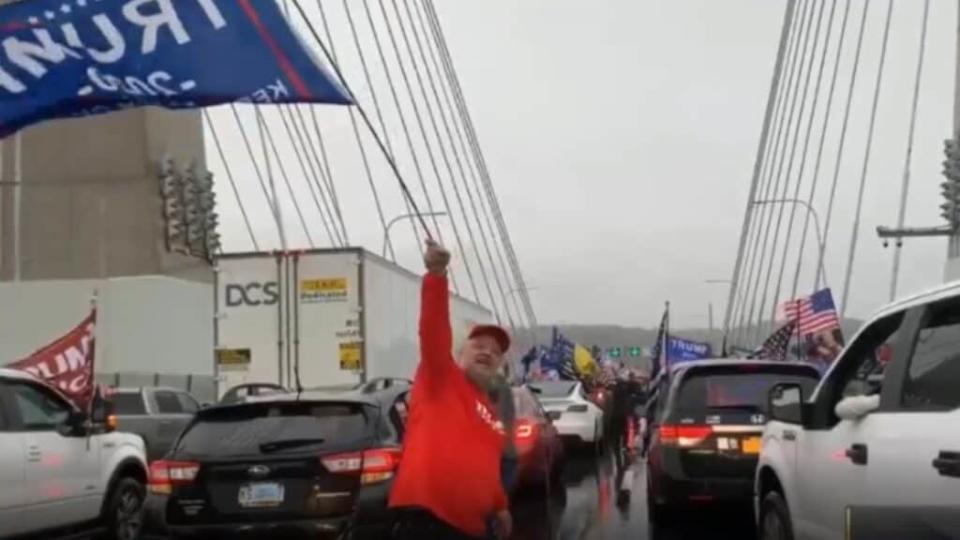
(417, 524)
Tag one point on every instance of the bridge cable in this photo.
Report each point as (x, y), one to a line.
(363, 115)
(785, 174)
(746, 256)
(431, 157)
(819, 160)
(447, 104)
(480, 160)
(263, 185)
(841, 143)
(233, 183)
(283, 174)
(806, 146)
(866, 161)
(436, 130)
(383, 126)
(905, 189)
(765, 216)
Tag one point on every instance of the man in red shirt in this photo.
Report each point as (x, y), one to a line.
(448, 483)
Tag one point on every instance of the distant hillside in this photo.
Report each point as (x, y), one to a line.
(606, 336)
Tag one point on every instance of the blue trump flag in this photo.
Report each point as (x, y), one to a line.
(679, 350)
(72, 58)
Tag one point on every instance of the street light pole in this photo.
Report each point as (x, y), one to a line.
(386, 230)
(821, 271)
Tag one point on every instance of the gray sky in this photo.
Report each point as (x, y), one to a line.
(621, 136)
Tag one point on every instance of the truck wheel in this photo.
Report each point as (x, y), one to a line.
(123, 513)
(775, 521)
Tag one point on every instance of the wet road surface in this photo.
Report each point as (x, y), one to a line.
(589, 508)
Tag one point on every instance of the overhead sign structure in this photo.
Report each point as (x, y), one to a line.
(615, 352)
(634, 352)
(86, 57)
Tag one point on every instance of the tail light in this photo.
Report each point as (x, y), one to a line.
(683, 436)
(166, 474)
(577, 408)
(373, 466)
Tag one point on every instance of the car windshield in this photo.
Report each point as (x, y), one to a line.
(707, 389)
(273, 428)
(554, 389)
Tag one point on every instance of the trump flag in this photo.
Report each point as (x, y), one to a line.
(67, 363)
(72, 58)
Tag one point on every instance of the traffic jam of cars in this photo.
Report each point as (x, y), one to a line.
(863, 446)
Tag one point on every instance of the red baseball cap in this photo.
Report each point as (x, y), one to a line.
(494, 331)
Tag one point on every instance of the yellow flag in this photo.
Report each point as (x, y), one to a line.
(584, 362)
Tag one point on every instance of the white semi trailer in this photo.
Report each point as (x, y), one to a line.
(326, 317)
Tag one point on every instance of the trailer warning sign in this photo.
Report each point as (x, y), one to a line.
(350, 356)
(233, 359)
(323, 290)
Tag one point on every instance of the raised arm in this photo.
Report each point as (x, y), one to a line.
(436, 336)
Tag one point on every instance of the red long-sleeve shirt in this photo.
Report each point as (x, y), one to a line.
(453, 441)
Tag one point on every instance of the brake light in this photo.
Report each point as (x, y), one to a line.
(523, 430)
(683, 436)
(373, 466)
(166, 474)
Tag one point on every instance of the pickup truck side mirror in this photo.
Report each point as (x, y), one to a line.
(785, 403)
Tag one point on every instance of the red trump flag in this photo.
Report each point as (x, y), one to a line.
(67, 363)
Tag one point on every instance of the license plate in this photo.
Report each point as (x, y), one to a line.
(260, 495)
(751, 445)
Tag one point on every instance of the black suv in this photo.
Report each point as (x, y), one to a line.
(318, 464)
(707, 421)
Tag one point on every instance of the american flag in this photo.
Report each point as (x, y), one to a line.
(775, 347)
(814, 314)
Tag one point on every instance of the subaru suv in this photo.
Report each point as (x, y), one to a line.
(707, 425)
(318, 464)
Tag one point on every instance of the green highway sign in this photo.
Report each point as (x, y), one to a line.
(614, 352)
(634, 352)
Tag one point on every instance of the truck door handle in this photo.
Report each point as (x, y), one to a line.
(789, 435)
(34, 454)
(857, 453)
(948, 464)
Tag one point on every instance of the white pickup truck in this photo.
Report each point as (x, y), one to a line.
(62, 473)
(874, 452)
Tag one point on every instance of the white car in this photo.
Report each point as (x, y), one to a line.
(874, 452)
(61, 473)
(573, 414)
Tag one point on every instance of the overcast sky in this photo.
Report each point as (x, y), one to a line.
(621, 137)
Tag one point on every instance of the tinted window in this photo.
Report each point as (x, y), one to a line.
(555, 389)
(128, 403)
(243, 429)
(167, 403)
(39, 409)
(933, 379)
(187, 403)
(871, 355)
(706, 390)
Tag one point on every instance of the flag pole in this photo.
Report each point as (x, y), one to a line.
(799, 337)
(665, 339)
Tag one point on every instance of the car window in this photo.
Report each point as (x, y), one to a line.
(525, 404)
(187, 403)
(554, 389)
(399, 413)
(128, 403)
(866, 360)
(734, 391)
(38, 408)
(167, 403)
(933, 376)
(245, 429)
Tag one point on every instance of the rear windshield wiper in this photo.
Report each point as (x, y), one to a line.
(274, 446)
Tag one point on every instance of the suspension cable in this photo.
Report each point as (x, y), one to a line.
(286, 179)
(256, 168)
(905, 189)
(842, 142)
(818, 162)
(866, 160)
(779, 155)
(446, 101)
(233, 183)
(806, 144)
